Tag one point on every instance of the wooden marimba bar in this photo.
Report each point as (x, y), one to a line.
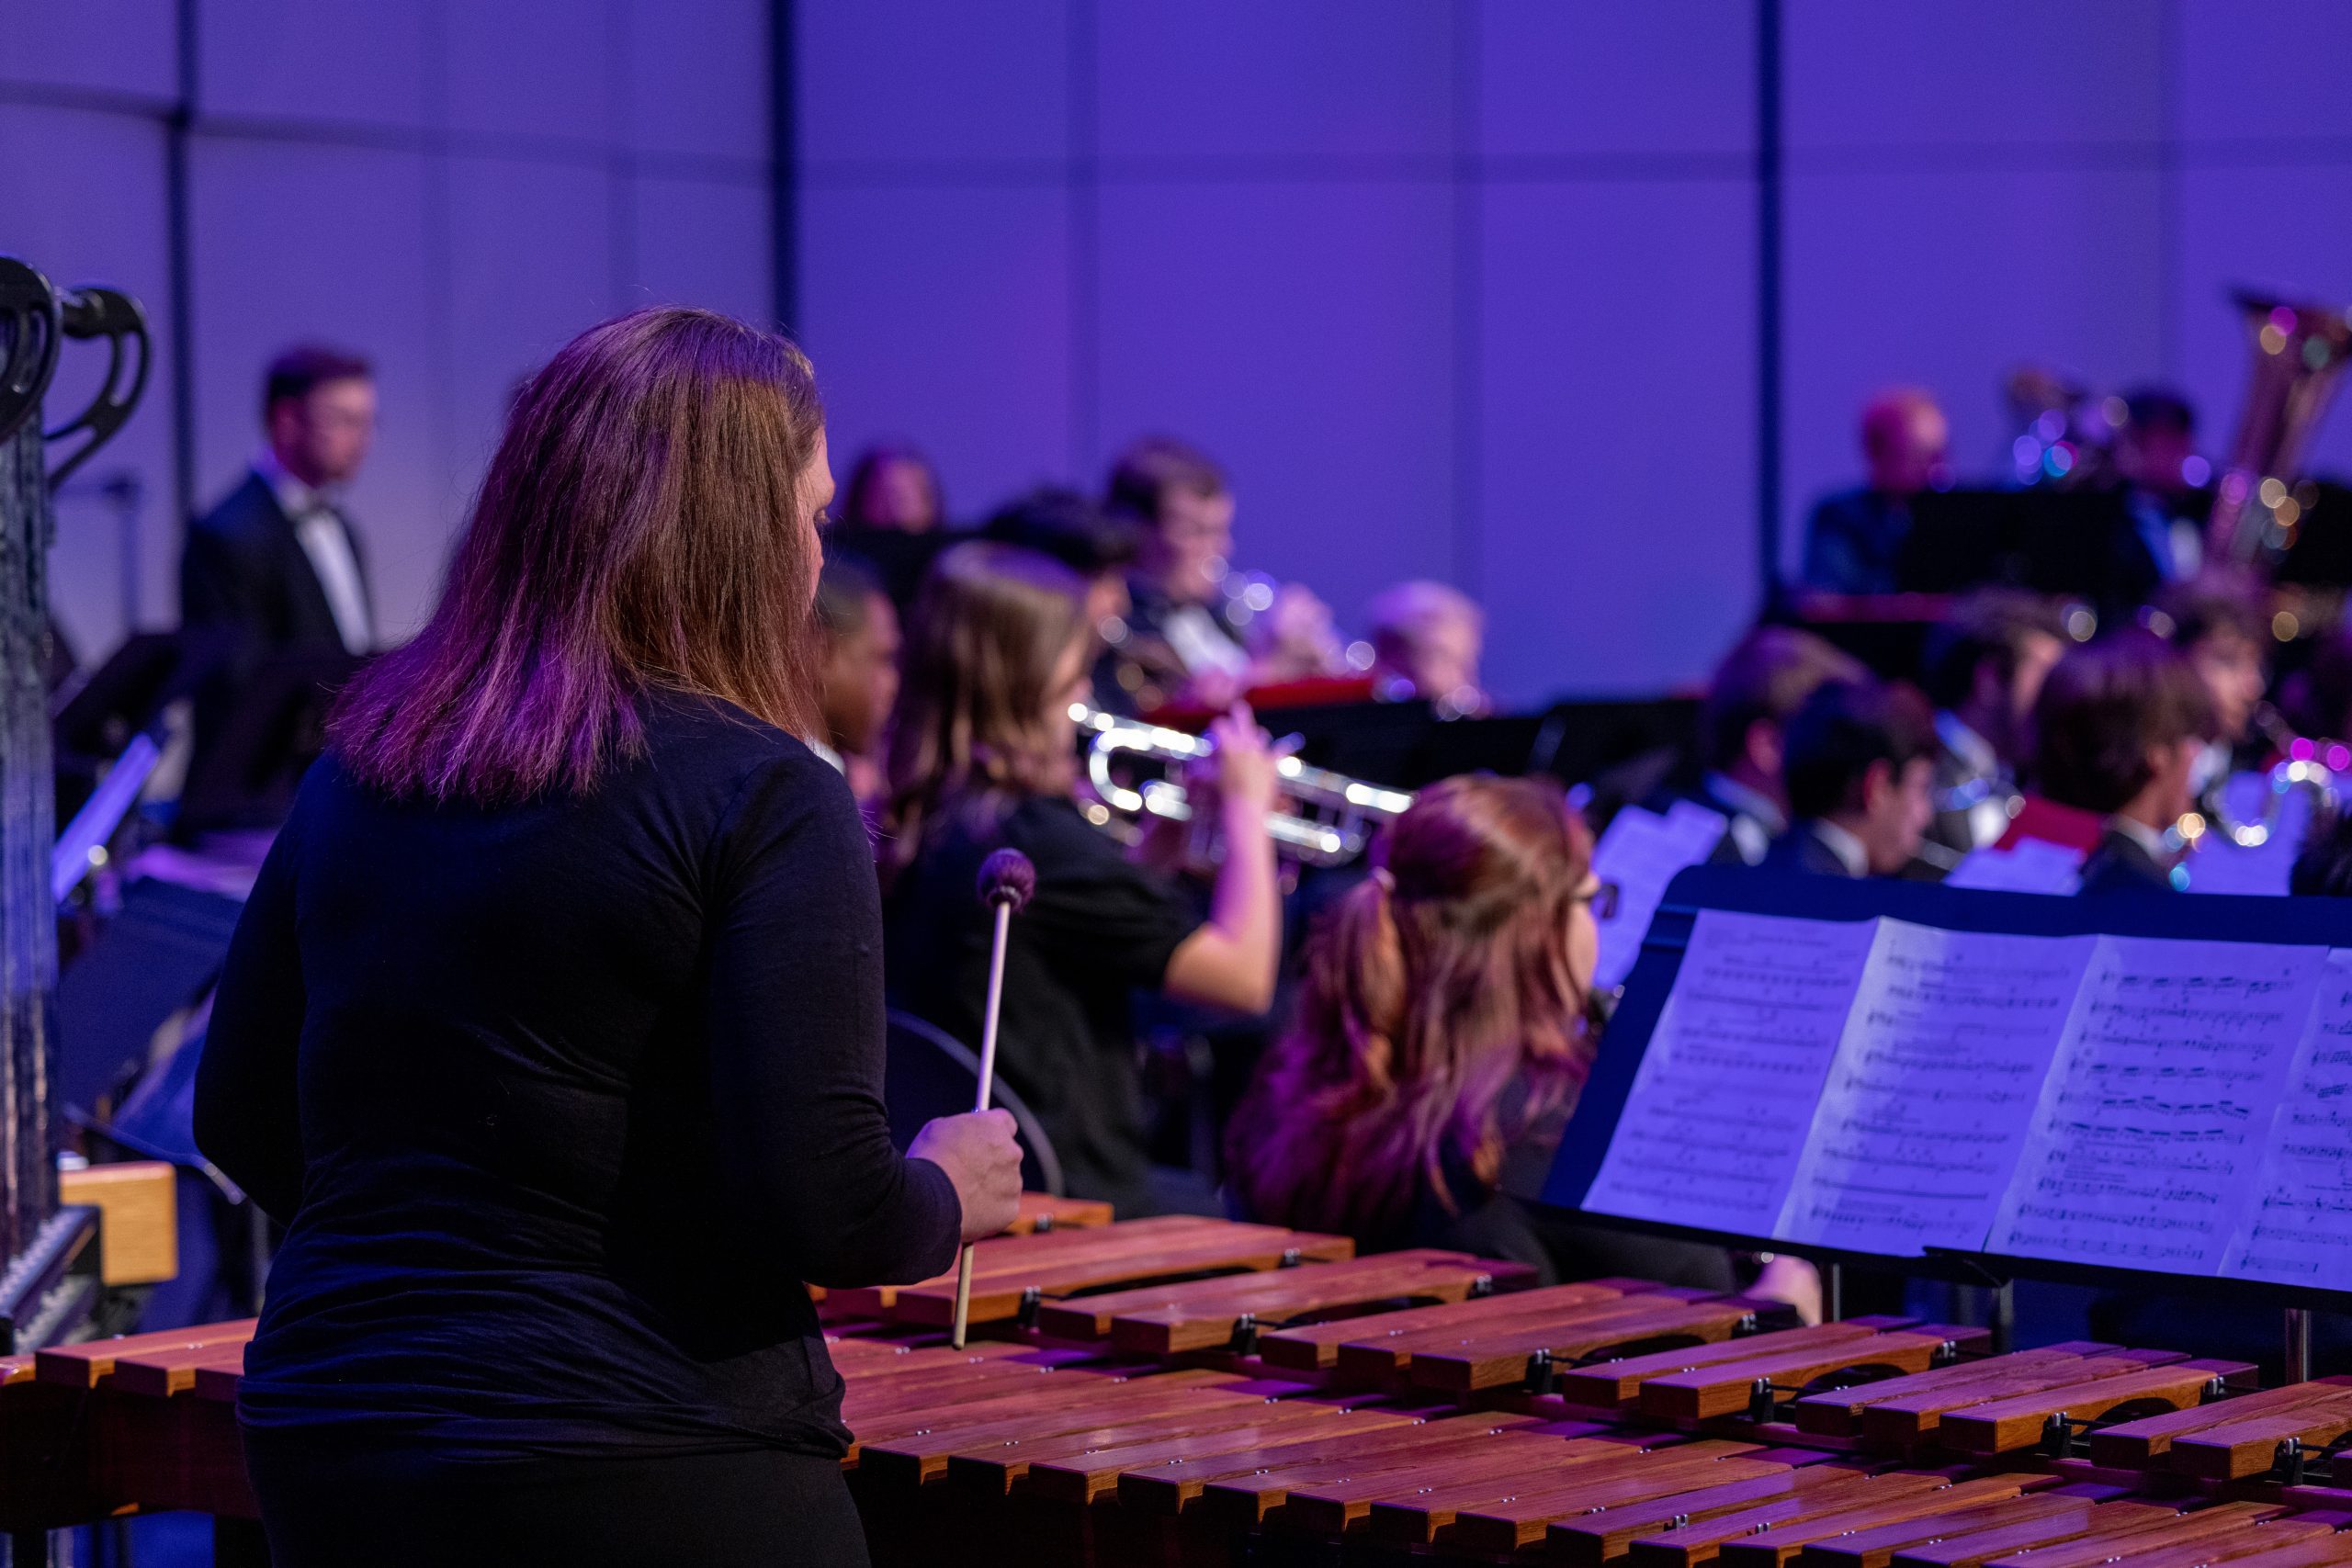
(1194, 1391)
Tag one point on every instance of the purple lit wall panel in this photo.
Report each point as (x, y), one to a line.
(2021, 80)
(1304, 335)
(697, 79)
(702, 242)
(535, 68)
(964, 85)
(1329, 81)
(356, 268)
(340, 62)
(531, 263)
(1654, 81)
(80, 192)
(1618, 463)
(49, 42)
(2264, 78)
(1950, 279)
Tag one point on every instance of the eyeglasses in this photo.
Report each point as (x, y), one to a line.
(1603, 900)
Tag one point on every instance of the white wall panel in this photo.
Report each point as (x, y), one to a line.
(698, 77)
(536, 68)
(114, 46)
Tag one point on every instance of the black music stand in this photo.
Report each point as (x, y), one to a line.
(2304, 922)
(246, 778)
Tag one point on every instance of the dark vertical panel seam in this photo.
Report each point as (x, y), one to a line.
(1767, 297)
(178, 245)
(1085, 244)
(783, 166)
(1469, 306)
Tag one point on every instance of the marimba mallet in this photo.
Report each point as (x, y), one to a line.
(1007, 879)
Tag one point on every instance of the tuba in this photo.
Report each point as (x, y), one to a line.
(2298, 354)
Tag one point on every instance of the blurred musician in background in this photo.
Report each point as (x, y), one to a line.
(1858, 762)
(857, 672)
(2118, 731)
(1187, 641)
(983, 754)
(553, 1028)
(1853, 542)
(2157, 470)
(1426, 640)
(891, 516)
(2219, 620)
(1439, 1043)
(1761, 682)
(276, 566)
(1984, 669)
(1073, 528)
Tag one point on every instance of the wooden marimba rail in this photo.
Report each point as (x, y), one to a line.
(1182, 1391)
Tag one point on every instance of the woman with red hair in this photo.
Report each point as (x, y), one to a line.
(1440, 1040)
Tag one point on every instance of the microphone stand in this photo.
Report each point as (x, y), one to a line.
(1004, 906)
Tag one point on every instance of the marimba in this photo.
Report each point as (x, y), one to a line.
(1194, 1391)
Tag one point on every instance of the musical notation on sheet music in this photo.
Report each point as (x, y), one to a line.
(1720, 1110)
(2156, 1111)
(2297, 1226)
(1926, 1103)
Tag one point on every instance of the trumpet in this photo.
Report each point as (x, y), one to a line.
(2315, 767)
(1326, 819)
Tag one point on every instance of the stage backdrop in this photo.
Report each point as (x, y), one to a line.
(452, 187)
(1470, 290)
(1463, 288)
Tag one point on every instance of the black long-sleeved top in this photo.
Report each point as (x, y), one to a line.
(562, 1102)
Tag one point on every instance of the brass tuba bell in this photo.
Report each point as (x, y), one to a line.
(2299, 353)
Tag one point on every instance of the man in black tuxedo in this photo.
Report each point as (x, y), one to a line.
(1857, 767)
(2118, 728)
(276, 569)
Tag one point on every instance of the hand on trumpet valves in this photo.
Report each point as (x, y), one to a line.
(982, 1158)
(1295, 639)
(1243, 765)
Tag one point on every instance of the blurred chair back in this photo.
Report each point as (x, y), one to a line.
(931, 1073)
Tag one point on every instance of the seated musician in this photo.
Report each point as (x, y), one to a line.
(1857, 761)
(2159, 534)
(891, 516)
(1760, 683)
(983, 754)
(857, 674)
(1440, 1040)
(553, 1028)
(2118, 731)
(1185, 640)
(1984, 666)
(1073, 528)
(2219, 620)
(1426, 640)
(1853, 542)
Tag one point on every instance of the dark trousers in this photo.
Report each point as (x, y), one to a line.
(337, 1503)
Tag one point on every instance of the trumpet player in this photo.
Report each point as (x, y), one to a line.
(983, 755)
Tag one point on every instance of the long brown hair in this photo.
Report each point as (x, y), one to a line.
(640, 526)
(985, 642)
(1429, 988)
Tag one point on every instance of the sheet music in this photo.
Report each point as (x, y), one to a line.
(1927, 1104)
(2030, 865)
(1710, 1132)
(1641, 853)
(2156, 1111)
(2297, 1227)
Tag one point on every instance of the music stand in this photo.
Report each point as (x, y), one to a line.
(247, 777)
